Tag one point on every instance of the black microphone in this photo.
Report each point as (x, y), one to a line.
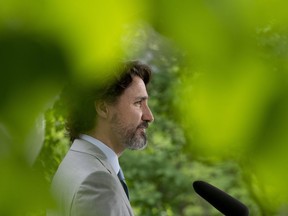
(223, 202)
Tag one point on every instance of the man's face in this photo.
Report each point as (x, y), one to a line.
(131, 115)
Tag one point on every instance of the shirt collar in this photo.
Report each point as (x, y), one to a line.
(109, 153)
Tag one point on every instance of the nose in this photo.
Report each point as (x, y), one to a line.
(147, 115)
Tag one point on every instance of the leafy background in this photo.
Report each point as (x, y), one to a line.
(219, 95)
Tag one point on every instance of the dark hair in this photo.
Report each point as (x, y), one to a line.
(79, 100)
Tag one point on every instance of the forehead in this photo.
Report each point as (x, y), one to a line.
(136, 89)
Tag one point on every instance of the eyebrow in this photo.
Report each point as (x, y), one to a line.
(142, 98)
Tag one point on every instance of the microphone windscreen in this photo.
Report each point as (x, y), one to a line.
(223, 202)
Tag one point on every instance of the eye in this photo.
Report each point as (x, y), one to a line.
(138, 103)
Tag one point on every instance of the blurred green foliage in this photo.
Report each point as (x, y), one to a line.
(160, 177)
(220, 99)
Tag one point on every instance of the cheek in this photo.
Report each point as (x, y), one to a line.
(133, 115)
(129, 115)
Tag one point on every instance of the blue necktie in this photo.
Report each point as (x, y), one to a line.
(122, 180)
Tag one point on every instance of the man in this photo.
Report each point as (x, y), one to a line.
(102, 122)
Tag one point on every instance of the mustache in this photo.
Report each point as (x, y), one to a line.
(143, 125)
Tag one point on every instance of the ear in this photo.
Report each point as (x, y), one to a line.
(101, 109)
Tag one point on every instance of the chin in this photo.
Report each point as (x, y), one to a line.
(139, 145)
(137, 142)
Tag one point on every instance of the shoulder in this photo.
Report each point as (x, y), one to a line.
(78, 166)
(85, 184)
(83, 158)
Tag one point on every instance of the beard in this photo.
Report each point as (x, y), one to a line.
(129, 136)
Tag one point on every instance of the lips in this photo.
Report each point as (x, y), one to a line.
(142, 130)
(143, 125)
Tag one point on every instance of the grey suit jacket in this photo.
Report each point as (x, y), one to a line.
(85, 184)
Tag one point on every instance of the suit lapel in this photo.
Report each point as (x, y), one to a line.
(88, 148)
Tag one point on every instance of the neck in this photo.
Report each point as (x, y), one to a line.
(105, 138)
